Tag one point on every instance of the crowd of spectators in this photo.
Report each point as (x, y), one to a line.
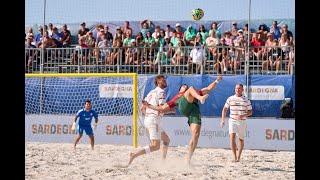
(174, 45)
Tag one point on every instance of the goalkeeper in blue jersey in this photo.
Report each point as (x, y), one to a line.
(85, 116)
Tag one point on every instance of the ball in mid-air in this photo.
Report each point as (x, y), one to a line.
(197, 14)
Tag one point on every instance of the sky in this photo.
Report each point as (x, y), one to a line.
(75, 11)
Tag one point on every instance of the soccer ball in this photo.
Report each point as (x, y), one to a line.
(197, 14)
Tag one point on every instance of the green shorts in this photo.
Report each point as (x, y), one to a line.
(190, 110)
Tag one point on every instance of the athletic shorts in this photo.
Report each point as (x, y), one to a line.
(238, 126)
(152, 125)
(190, 110)
(87, 129)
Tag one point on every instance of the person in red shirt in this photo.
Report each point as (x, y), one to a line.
(257, 43)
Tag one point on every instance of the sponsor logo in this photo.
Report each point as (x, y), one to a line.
(265, 92)
(52, 129)
(115, 90)
(280, 134)
(118, 129)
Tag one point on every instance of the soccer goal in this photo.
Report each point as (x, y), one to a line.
(52, 101)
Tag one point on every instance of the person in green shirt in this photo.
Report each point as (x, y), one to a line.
(204, 34)
(189, 35)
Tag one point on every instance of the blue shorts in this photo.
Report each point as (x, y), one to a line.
(87, 129)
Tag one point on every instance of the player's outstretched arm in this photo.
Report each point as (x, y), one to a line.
(163, 108)
(211, 86)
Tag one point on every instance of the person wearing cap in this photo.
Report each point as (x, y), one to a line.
(190, 35)
(146, 26)
(179, 30)
(83, 30)
(275, 30)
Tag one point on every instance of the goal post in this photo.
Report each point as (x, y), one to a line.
(57, 93)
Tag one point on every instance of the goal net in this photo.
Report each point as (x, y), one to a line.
(52, 101)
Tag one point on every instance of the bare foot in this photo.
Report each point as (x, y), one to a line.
(203, 98)
(131, 157)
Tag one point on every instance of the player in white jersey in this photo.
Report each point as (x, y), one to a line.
(240, 109)
(152, 122)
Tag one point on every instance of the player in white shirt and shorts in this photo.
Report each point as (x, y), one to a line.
(240, 108)
(152, 121)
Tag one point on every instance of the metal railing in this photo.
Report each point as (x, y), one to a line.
(157, 60)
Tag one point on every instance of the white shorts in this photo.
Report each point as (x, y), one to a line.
(238, 126)
(152, 125)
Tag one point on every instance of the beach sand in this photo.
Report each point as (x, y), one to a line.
(60, 161)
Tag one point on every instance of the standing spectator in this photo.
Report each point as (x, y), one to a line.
(82, 52)
(83, 30)
(139, 40)
(204, 33)
(126, 28)
(104, 49)
(29, 35)
(178, 55)
(179, 30)
(189, 36)
(275, 30)
(29, 53)
(214, 27)
(96, 31)
(161, 39)
(197, 56)
(146, 26)
(228, 38)
(66, 39)
(116, 52)
(50, 30)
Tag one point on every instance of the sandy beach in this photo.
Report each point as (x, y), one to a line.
(60, 161)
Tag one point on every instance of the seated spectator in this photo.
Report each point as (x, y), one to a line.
(190, 35)
(66, 38)
(291, 56)
(228, 38)
(116, 52)
(132, 54)
(239, 50)
(161, 38)
(179, 30)
(212, 42)
(164, 55)
(119, 34)
(204, 34)
(146, 26)
(57, 37)
(284, 30)
(275, 30)
(109, 34)
(89, 40)
(234, 29)
(82, 52)
(174, 39)
(263, 31)
(139, 40)
(47, 42)
(104, 49)
(96, 32)
(128, 40)
(179, 54)
(168, 31)
(257, 43)
(83, 30)
(214, 27)
(197, 56)
(156, 32)
(29, 33)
